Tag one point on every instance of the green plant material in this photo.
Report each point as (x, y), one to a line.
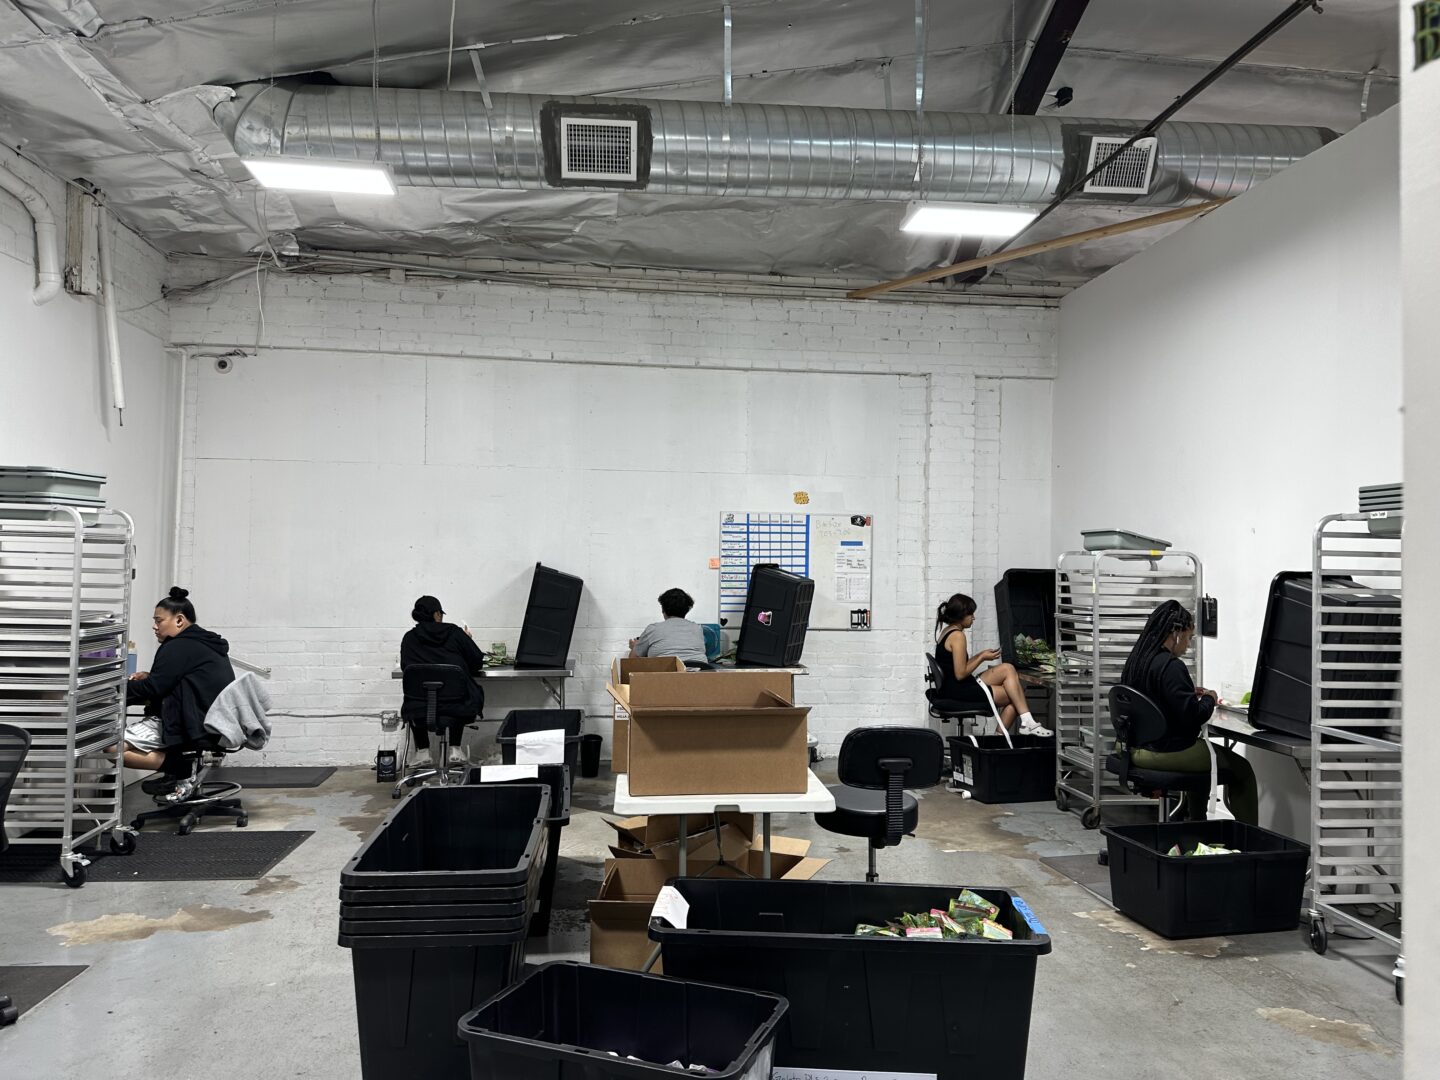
(1033, 653)
(968, 905)
(1245, 698)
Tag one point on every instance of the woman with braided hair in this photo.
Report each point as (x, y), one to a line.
(1155, 669)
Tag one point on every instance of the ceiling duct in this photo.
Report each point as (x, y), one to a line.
(440, 138)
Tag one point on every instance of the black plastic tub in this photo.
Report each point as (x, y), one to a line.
(557, 778)
(865, 1003)
(994, 772)
(416, 926)
(1182, 896)
(366, 912)
(448, 837)
(565, 1020)
(411, 991)
(523, 721)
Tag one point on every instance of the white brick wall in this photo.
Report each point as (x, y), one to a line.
(954, 359)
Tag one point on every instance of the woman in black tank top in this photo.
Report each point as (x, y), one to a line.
(963, 675)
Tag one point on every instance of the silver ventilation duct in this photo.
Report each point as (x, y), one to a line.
(439, 138)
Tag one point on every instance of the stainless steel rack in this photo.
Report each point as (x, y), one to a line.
(1102, 599)
(1355, 730)
(65, 575)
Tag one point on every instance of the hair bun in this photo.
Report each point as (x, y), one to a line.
(177, 593)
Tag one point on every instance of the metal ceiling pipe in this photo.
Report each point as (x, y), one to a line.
(440, 138)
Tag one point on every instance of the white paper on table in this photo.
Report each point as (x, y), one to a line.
(490, 774)
(671, 906)
(540, 747)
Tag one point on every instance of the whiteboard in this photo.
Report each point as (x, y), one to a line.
(834, 550)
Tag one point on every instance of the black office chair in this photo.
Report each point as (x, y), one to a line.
(876, 765)
(436, 695)
(943, 709)
(14, 745)
(211, 797)
(1138, 721)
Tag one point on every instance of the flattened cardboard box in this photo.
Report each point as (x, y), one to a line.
(620, 915)
(621, 668)
(658, 837)
(714, 733)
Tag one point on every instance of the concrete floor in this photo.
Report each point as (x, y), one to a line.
(244, 979)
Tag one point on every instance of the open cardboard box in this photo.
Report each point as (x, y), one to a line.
(621, 668)
(657, 837)
(714, 733)
(620, 915)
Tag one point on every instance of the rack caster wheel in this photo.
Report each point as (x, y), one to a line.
(1091, 818)
(121, 843)
(1320, 940)
(1062, 799)
(395, 794)
(1104, 857)
(187, 824)
(8, 1014)
(75, 878)
(242, 821)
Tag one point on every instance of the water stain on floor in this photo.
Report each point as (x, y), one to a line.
(1340, 1033)
(273, 813)
(1205, 947)
(269, 886)
(201, 918)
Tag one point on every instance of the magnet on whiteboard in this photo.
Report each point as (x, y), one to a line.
(802, 498)
(715, 563)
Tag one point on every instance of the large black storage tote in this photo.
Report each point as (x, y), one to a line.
(994, 771)
(411, 991)
(1180, 896)
(524, 721)
(455, 837)
(570, 1021)
(1024, 604)
(865, 1003)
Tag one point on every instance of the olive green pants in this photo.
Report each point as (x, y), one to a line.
(1241, 795)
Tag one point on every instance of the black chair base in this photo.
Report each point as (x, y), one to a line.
(212, 798)
(860, 812)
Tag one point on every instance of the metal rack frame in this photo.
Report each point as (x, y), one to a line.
(1355, 729)
(65, 579)
(1102, 599)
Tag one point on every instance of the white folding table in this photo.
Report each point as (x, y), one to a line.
(816, 800)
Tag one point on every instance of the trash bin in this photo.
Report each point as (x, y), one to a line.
(996, 772)
(869, 1004)
(557, 778)
(524, 721)
(571, 1021)
(590, 755)
(1180, 896)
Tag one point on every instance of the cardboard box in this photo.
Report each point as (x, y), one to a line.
(714, 733)
(620, 915)
(621, 668)
(658, 837)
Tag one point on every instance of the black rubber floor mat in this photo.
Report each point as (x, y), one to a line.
(276, 776)
(30, 984)
(1085, 871)
(229, 855)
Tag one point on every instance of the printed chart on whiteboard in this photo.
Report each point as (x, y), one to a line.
(835, 550)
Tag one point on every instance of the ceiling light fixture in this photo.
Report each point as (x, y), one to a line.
(314, 174)
(965, 219)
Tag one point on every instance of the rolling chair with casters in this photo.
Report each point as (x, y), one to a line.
(14, 745)
(1138, 721)
(436, 695)
(876, 765)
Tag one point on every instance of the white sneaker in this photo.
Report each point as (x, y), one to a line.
(1037, 730)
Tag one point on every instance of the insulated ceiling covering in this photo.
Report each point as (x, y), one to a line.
(123, 91)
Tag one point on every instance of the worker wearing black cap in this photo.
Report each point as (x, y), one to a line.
(434, 641)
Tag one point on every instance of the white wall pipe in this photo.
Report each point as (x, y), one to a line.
(47, 240)
(184, 355)
(112, 317)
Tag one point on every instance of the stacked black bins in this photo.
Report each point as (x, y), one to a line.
(866, 1004)
(1258, 890)
(557, 778)
(569, 1021)
(434, 908)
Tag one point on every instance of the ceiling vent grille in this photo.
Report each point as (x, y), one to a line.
(592, 148)
(1128, 174)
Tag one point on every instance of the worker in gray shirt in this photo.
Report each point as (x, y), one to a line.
(675, 636)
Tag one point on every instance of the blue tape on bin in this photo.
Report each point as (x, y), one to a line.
(1030, 919)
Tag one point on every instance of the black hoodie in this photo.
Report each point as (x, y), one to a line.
(442, 643)
(189, 671)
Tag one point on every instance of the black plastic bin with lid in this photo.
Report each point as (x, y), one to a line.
(996, 771)
(557, 778)
(865, 1003)
(455, 837)
(525, 721)
(1025, 604)
(571, 1021)
(1256, 891)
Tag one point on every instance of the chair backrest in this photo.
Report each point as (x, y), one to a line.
(870, 756)
(14, 745)
(934, 673)
(435, 686)
(1137, 720)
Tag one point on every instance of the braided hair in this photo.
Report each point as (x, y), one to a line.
(953, 611)
(1163, 621)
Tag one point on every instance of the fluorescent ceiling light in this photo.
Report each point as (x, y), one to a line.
(965, 219)
(314, 174)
